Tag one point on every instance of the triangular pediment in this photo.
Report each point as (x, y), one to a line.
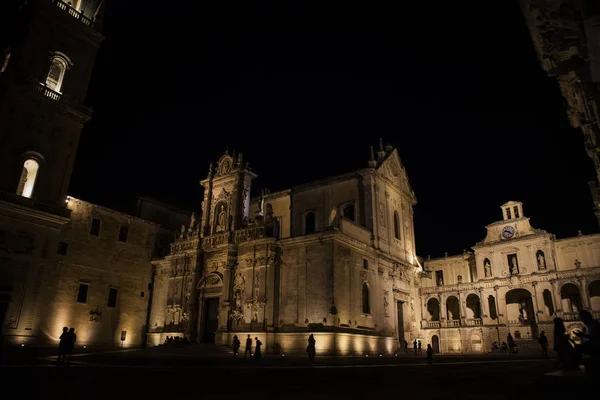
(391, 167)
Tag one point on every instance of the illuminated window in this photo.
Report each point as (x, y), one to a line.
(5, 62)
(28, 177)
(366, 305)
(396, 225)
(82, 293)
(56, 74)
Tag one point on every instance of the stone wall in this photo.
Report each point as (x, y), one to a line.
(103, 263)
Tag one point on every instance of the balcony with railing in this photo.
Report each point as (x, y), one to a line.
(46, 91)
(452, 323)
(68, 9)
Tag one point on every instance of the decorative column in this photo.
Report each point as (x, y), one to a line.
(443, 310)
(482, 304)
(462, 308)
(555, 296)
(536, 306)
(584, 293)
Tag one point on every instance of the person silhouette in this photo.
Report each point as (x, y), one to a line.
(257, 351)
(70, 339)
(419, 347)
(236, 345)
(429, 354)
(62, 345)
(564, 346)
(248, 347)
(311, 349)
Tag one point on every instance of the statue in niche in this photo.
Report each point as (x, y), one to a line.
(513, 264)
(238, 289)
(459, 279)
(221, 219)
(386, 303)
(193, 222)
(541, 260)
(487, 266)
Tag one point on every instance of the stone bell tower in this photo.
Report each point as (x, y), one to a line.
(226, 195)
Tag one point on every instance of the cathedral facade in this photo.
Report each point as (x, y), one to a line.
(517, 280)
(335, 258)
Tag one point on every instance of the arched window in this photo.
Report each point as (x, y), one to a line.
(396, 225)
(366, 304)
(348, 211)
(28, 177)
(310, 223)
(56, 74)
(5, 61)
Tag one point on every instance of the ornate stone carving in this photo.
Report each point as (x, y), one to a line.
(386, 303)
(212, 280)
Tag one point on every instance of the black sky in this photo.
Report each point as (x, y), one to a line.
(303, 89)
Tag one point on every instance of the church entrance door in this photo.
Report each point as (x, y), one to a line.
(399, 306)
(211, 319)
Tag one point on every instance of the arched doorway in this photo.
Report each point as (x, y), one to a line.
(209, 294)
(594, 292)
(452, 309)
(473, 306)
(570, 298)
(435, 343)
(521, 315)
(433, 307)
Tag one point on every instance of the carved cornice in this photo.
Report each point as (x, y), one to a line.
(516, 280)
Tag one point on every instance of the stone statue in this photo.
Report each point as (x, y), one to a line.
(193, 221)
(460, 279)
(541, 260)
(182, 231)
(513, 265)
(221, 220)
(488, 268)
(386, 304)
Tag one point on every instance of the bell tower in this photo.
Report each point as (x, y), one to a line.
(46, 61)
(226, 194)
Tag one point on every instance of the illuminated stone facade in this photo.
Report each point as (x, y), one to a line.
(334, 257)
(566, 35)
(517, 280)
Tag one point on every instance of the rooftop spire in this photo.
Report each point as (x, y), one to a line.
(372, 162)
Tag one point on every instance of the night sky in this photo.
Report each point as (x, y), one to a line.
(304, 88)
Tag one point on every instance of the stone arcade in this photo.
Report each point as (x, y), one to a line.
(517, 280)
(335, 257)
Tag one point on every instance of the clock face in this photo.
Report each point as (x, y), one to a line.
(508, 232)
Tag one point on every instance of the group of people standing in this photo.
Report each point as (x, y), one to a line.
(66, 345)
(257, 355)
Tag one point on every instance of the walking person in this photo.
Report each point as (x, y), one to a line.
(311, 349)
(62, 346)
(248, 347)
(406, 347)
(257, 351)
(429, 354)
(543, 341)
(235, 345)
(415, 346)
(419, 348)
(511, 344)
